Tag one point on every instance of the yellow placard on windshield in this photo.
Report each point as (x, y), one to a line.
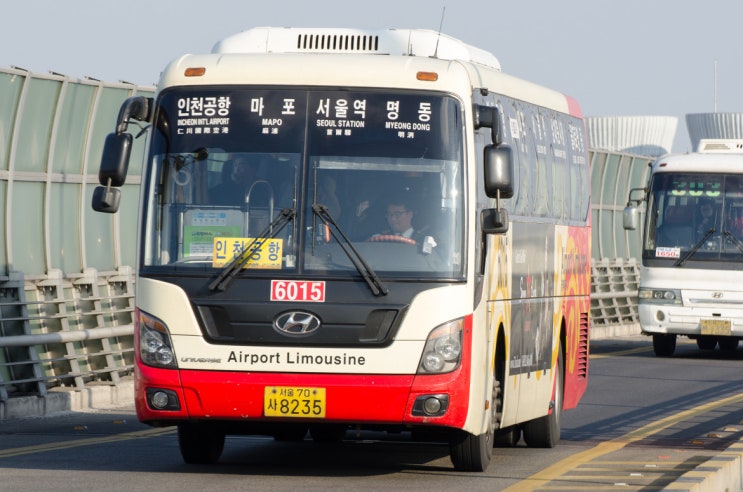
(266, 251)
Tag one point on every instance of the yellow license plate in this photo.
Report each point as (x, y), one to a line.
(294, 401)
(721, 327)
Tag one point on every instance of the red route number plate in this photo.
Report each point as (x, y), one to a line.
(297, 290)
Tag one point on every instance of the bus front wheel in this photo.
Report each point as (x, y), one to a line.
(664, 345)
(469, 452)
(200, 444)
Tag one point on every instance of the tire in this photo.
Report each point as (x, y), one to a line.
(328, 433)
(664, 345)
(706, 342)
(508, 437)
(544, 432)
(469, 452)
(728, 345)
(199, 444)
(290, 432)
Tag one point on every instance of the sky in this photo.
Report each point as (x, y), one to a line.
(617, 58)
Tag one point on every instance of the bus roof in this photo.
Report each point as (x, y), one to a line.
(373, 58)
(410, 42)
(719, 146)
(713, 155)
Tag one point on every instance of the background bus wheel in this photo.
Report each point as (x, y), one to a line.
(706, 342)
(199, 444)
(544, 432)
(290, 432)
(508, 437)
(664, 345)
(728, 344)
(328, 432)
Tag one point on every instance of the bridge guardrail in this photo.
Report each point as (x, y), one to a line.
(614, 284)
(65, 332)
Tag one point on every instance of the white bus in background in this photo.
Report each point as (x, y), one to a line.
(691, 280)
(290, 310)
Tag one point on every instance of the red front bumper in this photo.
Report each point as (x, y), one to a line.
(359, 399)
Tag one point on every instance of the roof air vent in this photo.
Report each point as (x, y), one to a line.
(720, 146)
(337, 42)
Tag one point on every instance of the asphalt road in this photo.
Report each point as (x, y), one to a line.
(642, 423)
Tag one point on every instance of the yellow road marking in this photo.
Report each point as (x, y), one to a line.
(570, 463)
(53, 446)
(622, 352)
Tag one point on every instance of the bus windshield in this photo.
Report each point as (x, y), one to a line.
(385, 167)
(695, 216)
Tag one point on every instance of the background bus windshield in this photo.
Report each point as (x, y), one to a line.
(384, 170)
(699, 212)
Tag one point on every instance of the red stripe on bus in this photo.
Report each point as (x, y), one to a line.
(574, 107)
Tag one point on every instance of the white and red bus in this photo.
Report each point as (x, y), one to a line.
(291, 309)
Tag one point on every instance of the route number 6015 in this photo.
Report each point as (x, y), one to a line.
(297, 290)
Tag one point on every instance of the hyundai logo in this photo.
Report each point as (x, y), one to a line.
(296, 324)
(717, 295)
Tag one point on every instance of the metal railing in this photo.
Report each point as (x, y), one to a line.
(614, 285)
(70, 331)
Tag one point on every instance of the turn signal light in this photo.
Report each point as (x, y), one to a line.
(427, 76)
(195, 71)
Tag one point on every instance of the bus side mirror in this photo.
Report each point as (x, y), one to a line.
(630, 218)
(115, 159)
(494, 221)
(106, 199)
(631, 214)
(498, 161)
(117, 149)
(112, 174)
(498, 175)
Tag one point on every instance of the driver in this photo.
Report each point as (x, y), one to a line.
(400, 221)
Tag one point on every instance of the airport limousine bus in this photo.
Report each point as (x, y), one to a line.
(690, 280)
(408, 249)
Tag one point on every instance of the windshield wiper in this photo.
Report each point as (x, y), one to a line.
(233, 267)
(694, 248)
(734, 240)
(366, 271)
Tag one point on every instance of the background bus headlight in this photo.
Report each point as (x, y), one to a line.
(659, 296)
(443, 349)
(155, 347)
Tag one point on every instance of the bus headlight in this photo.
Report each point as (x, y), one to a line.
(659, 296)
(155, 347)
(443, 349)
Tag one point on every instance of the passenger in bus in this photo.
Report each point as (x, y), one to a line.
(326, 195)
(238, 175)
(707, 216)
(734, 220)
